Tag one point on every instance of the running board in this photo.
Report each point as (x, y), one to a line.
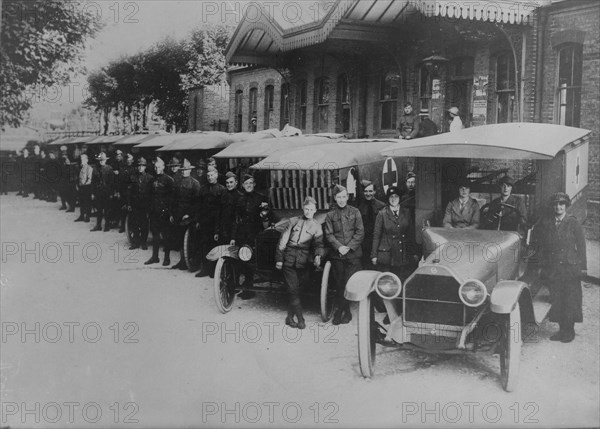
(541, 304)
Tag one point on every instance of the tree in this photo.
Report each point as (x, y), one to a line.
(41, 43)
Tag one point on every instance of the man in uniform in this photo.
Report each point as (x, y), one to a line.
(251, 217)
(139, 196)
(344, 233)
(228, 203)
(103, 187)
(185, 205)
(211, 196)
(507, 212)
(409, 123)
(124, 173)
(84, 184)
(65, 186)
(174, 169)
(368, 206)
(161, 193)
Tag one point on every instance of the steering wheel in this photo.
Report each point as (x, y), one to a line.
(493, 219)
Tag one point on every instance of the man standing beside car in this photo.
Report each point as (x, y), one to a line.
(564, 263)
(344, 233)
(369, 206)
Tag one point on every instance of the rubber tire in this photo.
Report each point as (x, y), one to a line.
(326, 301)
(510, 349)
(366, 342)
(191, 260)
(223, 268)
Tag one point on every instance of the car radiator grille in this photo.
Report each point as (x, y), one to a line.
(266, 244)
(434, 299)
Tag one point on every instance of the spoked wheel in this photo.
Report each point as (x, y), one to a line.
(510, 349)
(191, 248)
(225, 282)
(327, 293)
(366, 339)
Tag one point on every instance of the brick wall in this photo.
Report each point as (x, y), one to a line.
(207, 105)
(567, 21)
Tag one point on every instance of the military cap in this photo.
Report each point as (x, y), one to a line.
(364, 183)
(230, 174)
(211, 159)
(211, 168)
(338, 189)
(560, 197)
(129, 156)
(159, 162)
(464, 183)
(408, 103)
(508, 180)
(119, 152)
(393, 190)
(410, 175)
(141, 161)
(63, 148)
(187, 165)
(174, 162)
(101, 157)
(247, 177)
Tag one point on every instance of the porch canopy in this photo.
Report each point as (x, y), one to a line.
(270, 28)
(104, 140)
(498, 141)
(200, 140)
(262, 148)
(159, 140)
(132, 139)
(330, 156)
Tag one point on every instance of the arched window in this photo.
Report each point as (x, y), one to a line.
(239, 96)
(269, 96)
(284, 108)
(568, 87)
(505, 87)
(252, 106)
(343, 104)
(388, 99)
(321, 110)
(302, 98)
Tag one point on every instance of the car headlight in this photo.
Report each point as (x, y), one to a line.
(472, 293)
(245, 253)
(388, 285)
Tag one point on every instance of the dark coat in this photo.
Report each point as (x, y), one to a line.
(300, 237)
(103, 181)
(227, 219)
(344, 227)
(186, 198)
(368, 211)
(162, 194)
(563, 257)
(511, 219)
(391, 237)
(139, 192)
(248, 222)
(427, 128)
(211, 196)
(467, 218)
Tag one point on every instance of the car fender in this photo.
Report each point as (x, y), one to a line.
(506, 294)
(223, 251)
(360, 285)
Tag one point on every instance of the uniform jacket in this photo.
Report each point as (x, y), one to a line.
(391, 237)
(409, 126)
(162, 187)
(85, 175)
(186, 197)
(368, 211)
(103, 180)
(344, 227)
(467, 218)
(211, 196)
(139, 192)
(247, 217)
(297, 240)
(562, 244)
(511, 219)
(227, 219)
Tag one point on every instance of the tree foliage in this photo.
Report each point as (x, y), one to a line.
(41, 44)
(162, 74)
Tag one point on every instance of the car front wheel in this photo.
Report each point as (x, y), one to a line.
(327, 297)
(225, 282)
(191, 251)
(366, 339)
(510, 349)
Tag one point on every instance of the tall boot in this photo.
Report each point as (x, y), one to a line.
(167, 260)
(181, 265)
(154, 258)
(297, 308)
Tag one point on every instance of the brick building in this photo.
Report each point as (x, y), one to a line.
(208, 108)
(350, 66)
